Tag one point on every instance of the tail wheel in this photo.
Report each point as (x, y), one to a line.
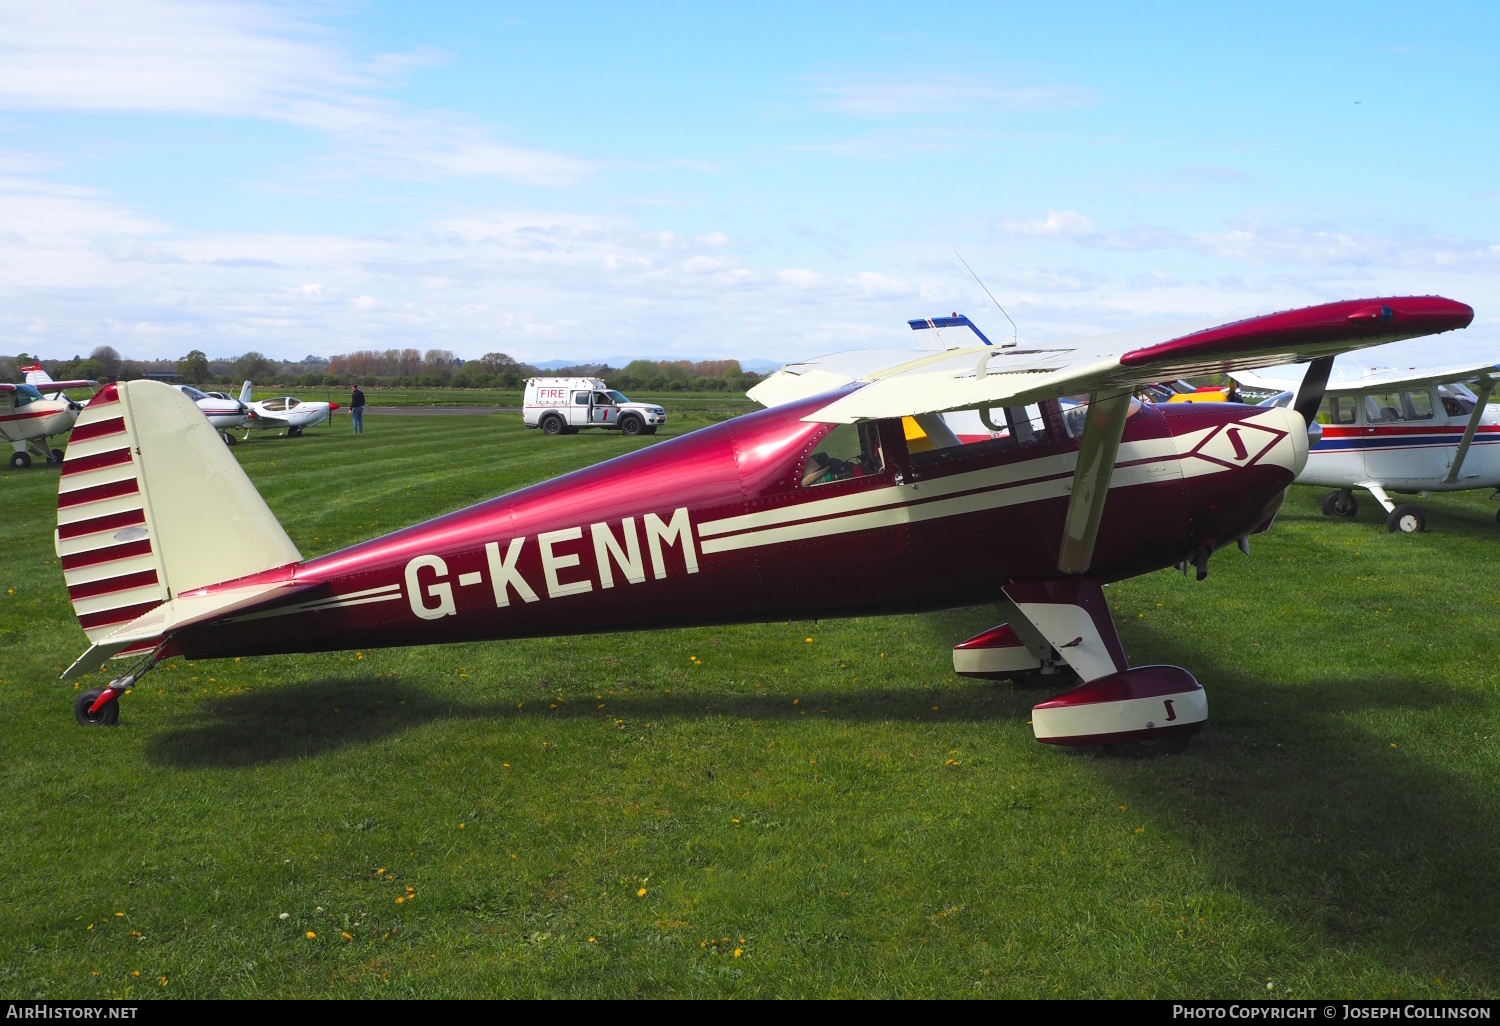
(1149, 748)
(1406, 519)
(631, 426)
(108, 714)
(1339, 504)
(552, 425)
(54, 456)
(20, 460)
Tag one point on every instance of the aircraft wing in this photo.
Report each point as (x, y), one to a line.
(62, 386)
(1342, 381)
(6, 388)
(906, 383)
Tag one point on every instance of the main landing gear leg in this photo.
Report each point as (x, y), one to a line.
(100, 707)
(1133, 713)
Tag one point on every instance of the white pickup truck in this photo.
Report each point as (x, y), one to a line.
(562, 406)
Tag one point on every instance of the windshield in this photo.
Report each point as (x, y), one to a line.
(192, 393)
(26, 394)
(616, 396)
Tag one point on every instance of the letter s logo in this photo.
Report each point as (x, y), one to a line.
(1171, 713)
(442, 591)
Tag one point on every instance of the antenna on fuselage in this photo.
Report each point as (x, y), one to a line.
(1014, 331)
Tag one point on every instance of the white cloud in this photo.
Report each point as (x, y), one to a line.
(1063, 224)
(249, 61)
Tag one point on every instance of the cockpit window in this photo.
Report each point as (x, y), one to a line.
(25, 394)
(1396, 407)
(192, 393)
(847, 452)
(934, 438)
(1337, 409)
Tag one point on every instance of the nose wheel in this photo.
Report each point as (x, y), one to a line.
(1339, 504)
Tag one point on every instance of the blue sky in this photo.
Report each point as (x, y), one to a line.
(756, 181)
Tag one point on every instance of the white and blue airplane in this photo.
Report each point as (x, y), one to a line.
(1407, 430)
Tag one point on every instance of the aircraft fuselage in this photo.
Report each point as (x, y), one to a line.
(716, 527)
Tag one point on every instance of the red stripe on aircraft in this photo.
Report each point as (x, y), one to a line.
(28, 416)
(105, 523)
(108, 554)
(98, 429)
(94, 493)
(1331, 431)
(98, 461)
(124, 614)
(109, 586)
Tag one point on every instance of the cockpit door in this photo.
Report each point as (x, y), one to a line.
(1404, 437)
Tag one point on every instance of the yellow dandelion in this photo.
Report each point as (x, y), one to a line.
(135, 972)
(591, 940)
(119, 915)
(734, 821)
(952, 762)
(460, 826)
(311, 935)
(1140, 830)
(796, 701)
(812, 762)
(809, 641)
(738, 952)
(641, 893)
(163, 981)
(399, 900)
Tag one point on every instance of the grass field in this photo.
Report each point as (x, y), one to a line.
(687, 402)
(802, 809)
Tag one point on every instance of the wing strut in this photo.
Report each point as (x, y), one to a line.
(1096, 463)
(1486, 386)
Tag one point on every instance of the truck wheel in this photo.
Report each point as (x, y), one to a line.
(651, 430)
(552, 425)
(631, 426)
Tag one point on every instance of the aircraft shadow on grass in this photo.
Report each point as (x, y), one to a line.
(1287, 798)
(296, 721)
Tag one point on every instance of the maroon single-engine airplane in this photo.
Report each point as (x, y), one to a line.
(849, 496)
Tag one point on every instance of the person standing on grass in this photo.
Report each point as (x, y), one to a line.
(357, 409)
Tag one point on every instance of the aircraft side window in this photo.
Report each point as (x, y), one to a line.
(1076, 414)
(293, 402)
(1455, 406)
(933, 438)
(1337, 409)
(848, 451)
(275, 405)
(1383, 408)
(1417, 405)
(580, 398)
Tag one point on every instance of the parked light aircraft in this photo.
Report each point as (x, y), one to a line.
(224, 413)
(288, 414)
(815, 507)
(1413, 430)
(31, 413)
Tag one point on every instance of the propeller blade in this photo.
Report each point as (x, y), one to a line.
(1310, 394)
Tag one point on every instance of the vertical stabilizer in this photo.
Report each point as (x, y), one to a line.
(151, 504)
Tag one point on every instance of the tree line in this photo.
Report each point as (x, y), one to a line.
(390, 367)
